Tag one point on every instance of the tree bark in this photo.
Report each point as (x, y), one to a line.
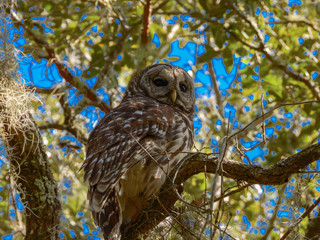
(162, 206)
(32, 173)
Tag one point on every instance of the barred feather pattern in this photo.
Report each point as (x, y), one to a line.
(133, 149)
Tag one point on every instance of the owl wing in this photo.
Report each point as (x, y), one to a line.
(119, 142)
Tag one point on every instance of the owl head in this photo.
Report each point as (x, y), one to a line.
(165, 83)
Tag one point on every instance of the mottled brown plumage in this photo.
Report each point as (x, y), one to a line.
(135, 146)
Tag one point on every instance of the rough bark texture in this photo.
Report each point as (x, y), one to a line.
(29, 163)
(276, 174)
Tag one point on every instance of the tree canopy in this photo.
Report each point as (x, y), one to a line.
(254, 169)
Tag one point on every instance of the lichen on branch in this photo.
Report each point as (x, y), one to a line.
(27, 163)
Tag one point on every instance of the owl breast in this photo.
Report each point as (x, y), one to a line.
(134, 148)
(140, 184)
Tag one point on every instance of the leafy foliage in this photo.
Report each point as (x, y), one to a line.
(246, 57)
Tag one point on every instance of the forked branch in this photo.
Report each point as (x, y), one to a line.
(276, 174)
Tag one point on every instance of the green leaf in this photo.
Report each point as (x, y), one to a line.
(73, 24)
(220, 37)
(48, 6)
(204, 4)
(242, 51)
(227, 54)
(208, 55)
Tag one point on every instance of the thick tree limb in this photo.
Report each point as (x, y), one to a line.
(37, 186)
(276, 174)
(28, 166)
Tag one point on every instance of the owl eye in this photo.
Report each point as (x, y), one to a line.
(160, 82)
(183, 87)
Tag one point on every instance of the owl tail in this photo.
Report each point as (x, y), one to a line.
(109, 218)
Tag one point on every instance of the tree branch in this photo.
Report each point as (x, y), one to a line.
(217, 93)
(75, 132)
(305, 214)
(275, 212)
(49, 91)
(298, 21)
(312, 87)
(244, 17)
(146, 20)
(276, 174)
(77, 83)
(32, 173)
(262, 49)
(127, 30)
(313, 228)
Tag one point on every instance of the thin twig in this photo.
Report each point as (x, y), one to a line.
(61, 68)
(259, 119)
(218, 169)
(176, 220)
(305, 214)
(233, 192)
(75, 132)
(217, 93)
(262, 49)
(276, 174)
(297, 21)
(275, 212)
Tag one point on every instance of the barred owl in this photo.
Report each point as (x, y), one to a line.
(135, 146)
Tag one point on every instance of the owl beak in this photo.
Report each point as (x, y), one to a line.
(173, 95)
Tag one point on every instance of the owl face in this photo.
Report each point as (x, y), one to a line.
(167, 84)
